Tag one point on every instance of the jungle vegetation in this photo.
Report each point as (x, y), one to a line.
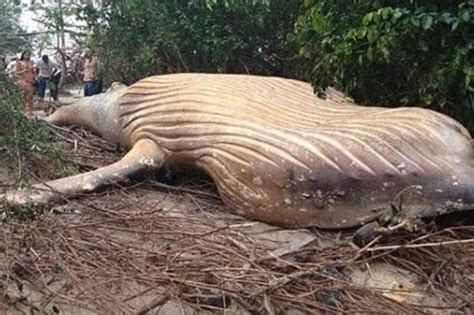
(380, 52)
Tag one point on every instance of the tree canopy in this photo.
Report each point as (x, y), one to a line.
(391, 52)
(139, 38)
(380, 52)
(10, 40)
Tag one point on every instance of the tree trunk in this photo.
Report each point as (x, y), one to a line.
(63, 67)
(61, 27)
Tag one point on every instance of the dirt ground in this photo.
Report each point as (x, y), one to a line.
(166, 245)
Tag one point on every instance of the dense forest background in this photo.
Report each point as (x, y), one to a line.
(380, 52)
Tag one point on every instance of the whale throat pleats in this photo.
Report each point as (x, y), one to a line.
(249, 132)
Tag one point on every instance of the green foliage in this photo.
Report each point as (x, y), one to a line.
(10, 42)
(392, 52)
(381, 52)
(56, 19)
(138, 38)
(27, 145)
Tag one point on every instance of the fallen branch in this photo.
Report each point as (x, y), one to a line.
(392, 247)
(154, 304)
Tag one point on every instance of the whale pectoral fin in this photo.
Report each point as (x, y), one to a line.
(145, 155)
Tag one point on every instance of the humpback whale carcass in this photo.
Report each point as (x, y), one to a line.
(277, 153)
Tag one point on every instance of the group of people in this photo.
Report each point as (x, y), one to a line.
(34, 78)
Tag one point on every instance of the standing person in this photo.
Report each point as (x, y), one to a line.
(77, 66)
(25, 79)
(44, 69)
(54, 84)
(92, 84)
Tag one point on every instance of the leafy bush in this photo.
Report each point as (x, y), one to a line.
(389, 52)
(138, 38)
(10, 42)
(381, 52)
(26, 144)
